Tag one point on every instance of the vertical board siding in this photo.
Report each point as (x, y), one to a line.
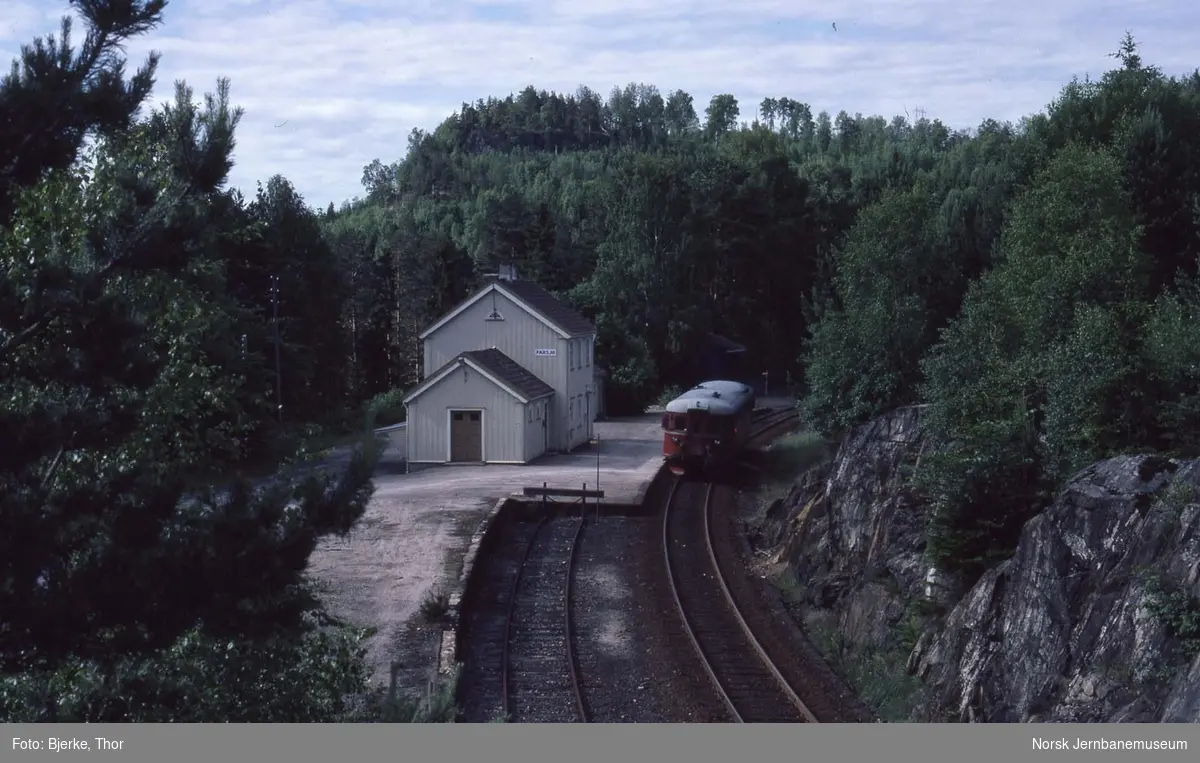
(503, 418)
(518, 336)
(535, 437)
(574, 408)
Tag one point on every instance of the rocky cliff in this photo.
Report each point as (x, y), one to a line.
(1095, 618)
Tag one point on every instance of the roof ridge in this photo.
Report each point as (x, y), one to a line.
(554, 309)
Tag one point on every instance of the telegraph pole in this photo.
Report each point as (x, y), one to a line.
(275, 321)
(244, 380)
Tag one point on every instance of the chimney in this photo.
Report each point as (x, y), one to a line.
(507, 272)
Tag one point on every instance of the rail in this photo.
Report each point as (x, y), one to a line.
(509, 616)
(569, 626)
(572, 661)
(770, 421)
(672, 579)
(740, 704)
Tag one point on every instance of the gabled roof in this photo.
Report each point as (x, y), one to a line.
(498, 368)
(512, 372)
(540, 303)
(554, 309)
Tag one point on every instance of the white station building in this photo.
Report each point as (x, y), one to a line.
(509, 375)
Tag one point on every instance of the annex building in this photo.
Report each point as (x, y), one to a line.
(508, 375)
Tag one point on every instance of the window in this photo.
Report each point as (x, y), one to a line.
(475, 416)
(571, 353)
(529, 412)
(458, 416)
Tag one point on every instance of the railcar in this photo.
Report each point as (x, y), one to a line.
(707, 426)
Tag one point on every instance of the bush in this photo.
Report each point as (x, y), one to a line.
(1177, 611)
(792, 455)
(386, 409)
(668, 394)
(437, 706)
(435, 605)
(308, 678)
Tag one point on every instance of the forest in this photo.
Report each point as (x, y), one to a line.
(1034, 284)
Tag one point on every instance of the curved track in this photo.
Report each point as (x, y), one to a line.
(748, 682)
(768, 419)
(539, 679)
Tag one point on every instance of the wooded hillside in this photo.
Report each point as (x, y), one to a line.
(1036, 284)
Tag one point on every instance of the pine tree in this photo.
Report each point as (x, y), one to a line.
(103, 557)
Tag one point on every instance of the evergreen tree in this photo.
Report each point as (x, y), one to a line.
(110, 574)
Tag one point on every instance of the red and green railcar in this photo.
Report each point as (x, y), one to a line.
(707, 426)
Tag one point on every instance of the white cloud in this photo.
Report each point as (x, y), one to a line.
(329, 85)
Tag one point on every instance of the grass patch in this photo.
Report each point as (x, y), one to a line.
(786, 459)
(790, 587)
(435, 605)
(878, 674)
(1177, 496)
(793, 454)
(437, 706)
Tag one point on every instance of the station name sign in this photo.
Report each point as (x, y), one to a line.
(545, 353)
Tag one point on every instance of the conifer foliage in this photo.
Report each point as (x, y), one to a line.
(123, 596)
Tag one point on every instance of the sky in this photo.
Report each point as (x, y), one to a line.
(329, 85)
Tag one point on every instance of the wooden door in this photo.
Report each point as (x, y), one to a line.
(466, 436)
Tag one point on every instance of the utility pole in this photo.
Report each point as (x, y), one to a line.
(240, 409)
(275, 321)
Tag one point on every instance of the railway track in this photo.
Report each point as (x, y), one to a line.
(539, 676)
(768, 419)
(750, 685)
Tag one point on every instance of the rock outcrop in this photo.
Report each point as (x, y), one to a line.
(1094, 619)
(1067, 629)
(851, 533)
